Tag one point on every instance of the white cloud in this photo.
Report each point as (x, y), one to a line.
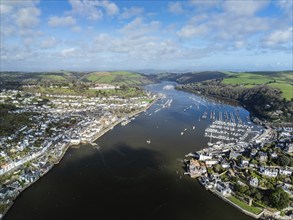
(239, 44)
(131, 12)
(286, 6)
(204, 4)
(138, 27)
(49, 43)
(28, 17)
(205, 29)
(189, 31)
(110, 7)
(94, 9)
(19, 18)
(56, 21)
(7, 30)
(232, 26)
(76, 29)
(175, 7)
(5, 9)
(86, 9)
(68, 52)
(279, 37)
(244, 8)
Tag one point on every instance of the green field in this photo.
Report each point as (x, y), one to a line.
(52, 77)
(116, 77)
(252, 209)
(280, 80)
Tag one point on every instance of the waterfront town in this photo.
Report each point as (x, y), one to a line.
(252, 174)
(49, 124)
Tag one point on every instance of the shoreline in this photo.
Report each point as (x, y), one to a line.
(256, 216)
(97, 136)
(256, 118)
(111, 126)
(264, 213)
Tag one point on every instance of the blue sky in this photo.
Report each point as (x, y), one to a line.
(87, 35)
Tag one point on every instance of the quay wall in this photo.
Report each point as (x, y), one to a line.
(236, 206)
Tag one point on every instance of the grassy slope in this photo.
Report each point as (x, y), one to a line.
(35, 77)
(116, 77)
(254, 210)
(281, 80)
(56, 78)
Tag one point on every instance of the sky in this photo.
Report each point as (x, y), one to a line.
(191, 35)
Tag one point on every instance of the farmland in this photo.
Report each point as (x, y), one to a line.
(116, 77)
(280, 80)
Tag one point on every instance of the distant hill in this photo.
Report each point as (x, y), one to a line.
(116, 77)
(189, 77)
(16, 79)
(34, 77)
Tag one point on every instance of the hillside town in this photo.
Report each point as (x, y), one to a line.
(254, 175)
(48, 124)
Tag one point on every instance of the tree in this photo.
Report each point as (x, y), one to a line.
(258, 196)
(279, 198)
(240, 188)
(283, 160)
(218, 168)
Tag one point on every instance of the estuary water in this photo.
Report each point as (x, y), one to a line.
(128, 178)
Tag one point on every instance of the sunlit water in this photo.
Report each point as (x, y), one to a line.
(127, 178)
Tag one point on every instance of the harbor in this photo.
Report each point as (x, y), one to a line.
(149, 175)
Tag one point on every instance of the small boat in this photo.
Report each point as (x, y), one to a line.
(148, 141)
(182, 133)
(193, 127)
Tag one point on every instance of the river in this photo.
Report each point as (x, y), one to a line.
(127, 178)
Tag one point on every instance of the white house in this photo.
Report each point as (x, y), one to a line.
(286, 172)
(253, 182)
(211, 162)
(270, 172)
(223, 188)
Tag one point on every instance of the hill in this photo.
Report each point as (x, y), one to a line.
(17, 79)
(189, 77)
(116, 77)
(281, 80)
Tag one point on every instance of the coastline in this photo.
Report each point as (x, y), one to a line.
(132, 114)
(256, 216)
(264, 213)
(97, 136)
(256, 118)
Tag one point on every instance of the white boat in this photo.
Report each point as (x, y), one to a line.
(148, 141)
(123, 123)
(182, 133)
(193, 127)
